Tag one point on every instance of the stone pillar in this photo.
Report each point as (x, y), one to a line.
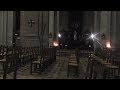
(117, 29)
(105, 27)
(1, 28)
(6, 27)
(108, 27)
(113, 29)
(10, 26)
(45, 28)
(57, 25)
(51, 27)
(97, 17)
(95, 26)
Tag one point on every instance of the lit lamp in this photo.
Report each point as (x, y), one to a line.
(55, 44)
(59, 35)
(92, 36)
(108, 45)
(109, 48)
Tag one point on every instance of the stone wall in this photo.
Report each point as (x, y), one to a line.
(64, 20)
(30, 36)
(88, 21)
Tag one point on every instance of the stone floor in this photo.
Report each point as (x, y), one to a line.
(58, 70)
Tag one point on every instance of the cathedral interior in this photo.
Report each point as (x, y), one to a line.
(59, 45)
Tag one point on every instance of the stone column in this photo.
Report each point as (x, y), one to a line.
(97, 17)
(113, 29)
(108, 27)
(4, 28)
(95, 26)
(117, 29)
(51, 27)
(57, 25)
(45, 28)
(10, 26)
(105, 27)
(1, 28)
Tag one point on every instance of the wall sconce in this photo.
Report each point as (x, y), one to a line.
(50, 35)
(103, 36)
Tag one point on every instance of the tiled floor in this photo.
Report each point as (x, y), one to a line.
(58, 70)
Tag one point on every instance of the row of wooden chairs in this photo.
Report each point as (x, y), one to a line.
(83, 53)
(14, 57)
(42, 62)
(102, 63)
(28, 54)
(8, 57)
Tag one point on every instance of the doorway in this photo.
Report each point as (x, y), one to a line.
(16, 30)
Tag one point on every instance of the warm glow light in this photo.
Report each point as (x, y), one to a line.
(108, 45)
(55, 44)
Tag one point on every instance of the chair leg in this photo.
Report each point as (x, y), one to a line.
(91, 72)
(31, 69)
(87, 69)
(40, 69)
(95, 75)
(3, 66)
(35, 67)
(5, 71)
(77, 72)
(104, 74)
(68, 71)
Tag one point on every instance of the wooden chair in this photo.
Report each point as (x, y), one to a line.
(24, 56)
(108, 68)
(9, 62)
(16, 60)
(89, 66)
(37, 64)
(73, 64)
(3, 55)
